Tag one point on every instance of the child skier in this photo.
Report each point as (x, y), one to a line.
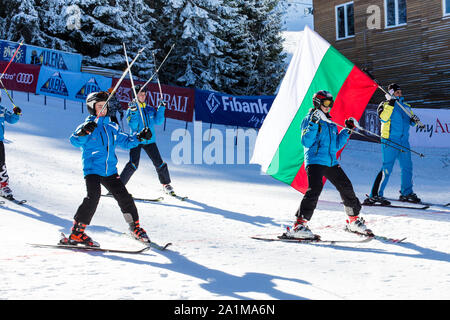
(98, 142)
(322, 141)
(5, 115)
(151, 117)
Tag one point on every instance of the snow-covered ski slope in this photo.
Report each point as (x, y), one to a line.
(212, 256)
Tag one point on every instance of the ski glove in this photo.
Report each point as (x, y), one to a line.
(350, 124)
(133, 105)
(87, 128)
(315, 116)
(17, 110)
(145, 134)
(416, 120)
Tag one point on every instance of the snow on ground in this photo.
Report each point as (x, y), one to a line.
(212, 255)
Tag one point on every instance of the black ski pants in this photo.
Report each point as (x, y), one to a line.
(114, 185)
(339, 179)
(153, 153)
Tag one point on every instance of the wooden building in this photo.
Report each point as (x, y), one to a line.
(402, 41)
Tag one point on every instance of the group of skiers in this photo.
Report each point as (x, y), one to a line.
(98, 137)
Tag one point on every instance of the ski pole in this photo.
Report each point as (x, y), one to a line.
(119, 82)
(408, 113)
(7, 93)
(132, 86)
(161, 100)
(156, 71)
(4, 71)
(403, 147)
(363, 135)
(14, 55)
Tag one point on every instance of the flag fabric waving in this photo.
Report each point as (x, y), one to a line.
(315, 66)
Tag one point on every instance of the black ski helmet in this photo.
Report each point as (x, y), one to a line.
(320, 96)
(394, 87)
(93, 98)
(138, 88)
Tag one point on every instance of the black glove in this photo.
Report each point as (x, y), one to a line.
(17, 110)
(315, 116)
(87, 128)
(349, 124)
(392, 102)
(145, 134)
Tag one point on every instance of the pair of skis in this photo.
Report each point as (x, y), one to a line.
(158, 199)
(366, 237)
(12, 199)
(148, 246)
(317, 239)
(409, 205)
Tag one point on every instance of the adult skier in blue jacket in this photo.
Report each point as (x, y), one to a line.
(395, 125)
(322, 140)
(10, 117)
(151, 117)
(98, 141)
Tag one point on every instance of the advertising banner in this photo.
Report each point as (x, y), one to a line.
(70, 85)
(40, 56)
(53, 58)
(179, 101)
(437, 129)
(20, 77)
(7, 50)
(242, 111)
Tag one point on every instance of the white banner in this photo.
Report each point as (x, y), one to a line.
(437, 129)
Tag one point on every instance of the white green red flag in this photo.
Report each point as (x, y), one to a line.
(315, 66)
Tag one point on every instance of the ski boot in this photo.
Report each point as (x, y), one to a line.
(356, 224)
(5, 190)
(139, 233)
(167, 188)
(376, 200)
(413, 198)
(299, 230)
(79, 237)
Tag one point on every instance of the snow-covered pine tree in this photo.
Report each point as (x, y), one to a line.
(21, 22)
(259, 46)
(196, 28)
(97, 29)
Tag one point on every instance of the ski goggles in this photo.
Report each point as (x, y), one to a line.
(327, 103)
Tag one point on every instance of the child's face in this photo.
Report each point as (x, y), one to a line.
(141, 96)
(98, 108)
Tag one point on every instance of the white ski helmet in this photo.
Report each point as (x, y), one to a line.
(93, 98)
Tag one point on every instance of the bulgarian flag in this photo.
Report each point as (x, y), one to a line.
(315, 66)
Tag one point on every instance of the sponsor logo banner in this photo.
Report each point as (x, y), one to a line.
(242, 111)
(20, 77)
(437, 129)
(7, 50)
(53, 58)
(179, 101)
(41, 56)
(70, 85)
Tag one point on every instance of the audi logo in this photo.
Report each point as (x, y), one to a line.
(25, 78)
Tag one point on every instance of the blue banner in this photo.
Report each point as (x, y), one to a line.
(70, 85)
(241, 111)
(53, 58)
(7, 50)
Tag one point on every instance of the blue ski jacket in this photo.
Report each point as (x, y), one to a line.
(98, 148)
(322, 141)
(7, 116)
(151, 116)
